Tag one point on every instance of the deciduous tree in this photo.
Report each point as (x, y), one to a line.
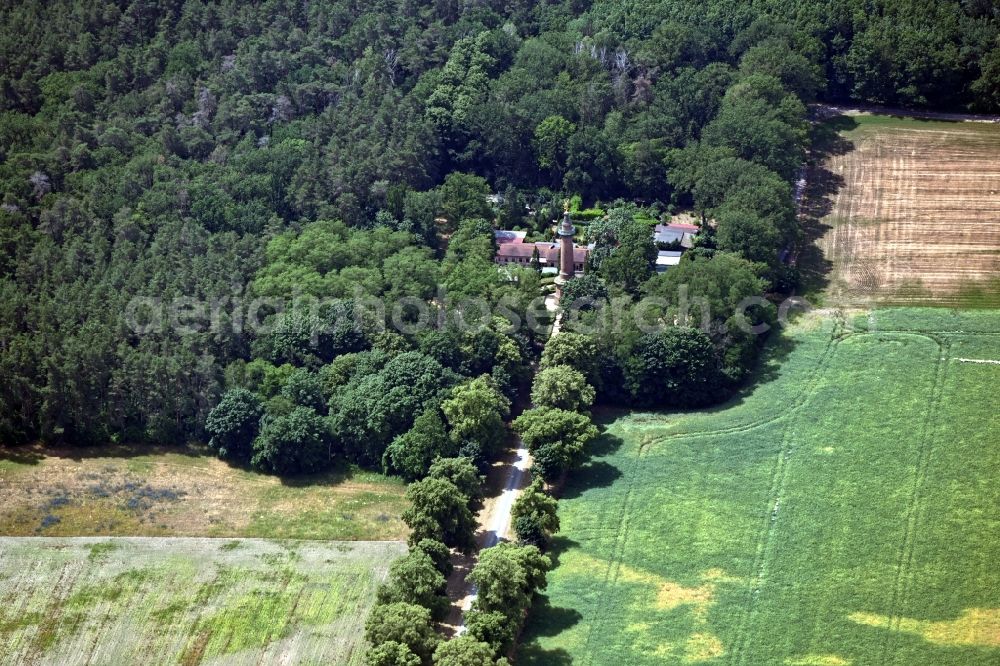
(562, 387)
(677, 368)
(234, 422)
(534, 515)
(392, 653)
(557, 438)
(551, 144)
(293, 444)
(438, 510)
(491, 627)
(463, 474)
(507, 577)
(414, 579)
(404, 624)
(412, 453)
(475, 411)
(463, 651)
(575, 350)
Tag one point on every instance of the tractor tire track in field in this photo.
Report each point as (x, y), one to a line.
(624, 523)
(915, 506)
(794, 404)
(614, 566)
(934, 334)
(779, 483)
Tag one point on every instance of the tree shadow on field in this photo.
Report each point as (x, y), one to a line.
(532, 653)
(604, 445)
(557, 546)
(826, 137)
(817, 199)
(767, 368)
(336, 475)
(23, 455)
(544, 619)
(34, 453)
(594, 473)
(552, 620)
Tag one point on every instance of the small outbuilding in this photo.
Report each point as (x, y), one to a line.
(667, 258)
(676, 232)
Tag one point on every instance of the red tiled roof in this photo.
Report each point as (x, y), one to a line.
(548, 251)
(517, 250)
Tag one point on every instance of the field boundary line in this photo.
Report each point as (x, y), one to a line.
(278, 541)
(915, 509)
(824, 111)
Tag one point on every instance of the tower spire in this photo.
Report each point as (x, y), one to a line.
(566, 231)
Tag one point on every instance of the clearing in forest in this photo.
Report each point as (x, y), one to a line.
(844, 511)
(119, 491)
(186, 601)
(905, 212)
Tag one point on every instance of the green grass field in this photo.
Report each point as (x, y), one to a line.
(186, 601)
(844, 511)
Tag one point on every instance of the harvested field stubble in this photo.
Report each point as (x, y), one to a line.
(911, 213)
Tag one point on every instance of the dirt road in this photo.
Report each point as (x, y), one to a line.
(506, 480)
(504, 483)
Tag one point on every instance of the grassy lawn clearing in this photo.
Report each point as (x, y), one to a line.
(114, 491)
(845, 511)
(186, 601)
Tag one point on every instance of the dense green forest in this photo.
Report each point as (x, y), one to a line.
(237, 150)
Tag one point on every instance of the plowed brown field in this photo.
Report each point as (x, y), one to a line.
(909, 213)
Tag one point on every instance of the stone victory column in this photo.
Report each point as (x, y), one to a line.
(565, 233)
